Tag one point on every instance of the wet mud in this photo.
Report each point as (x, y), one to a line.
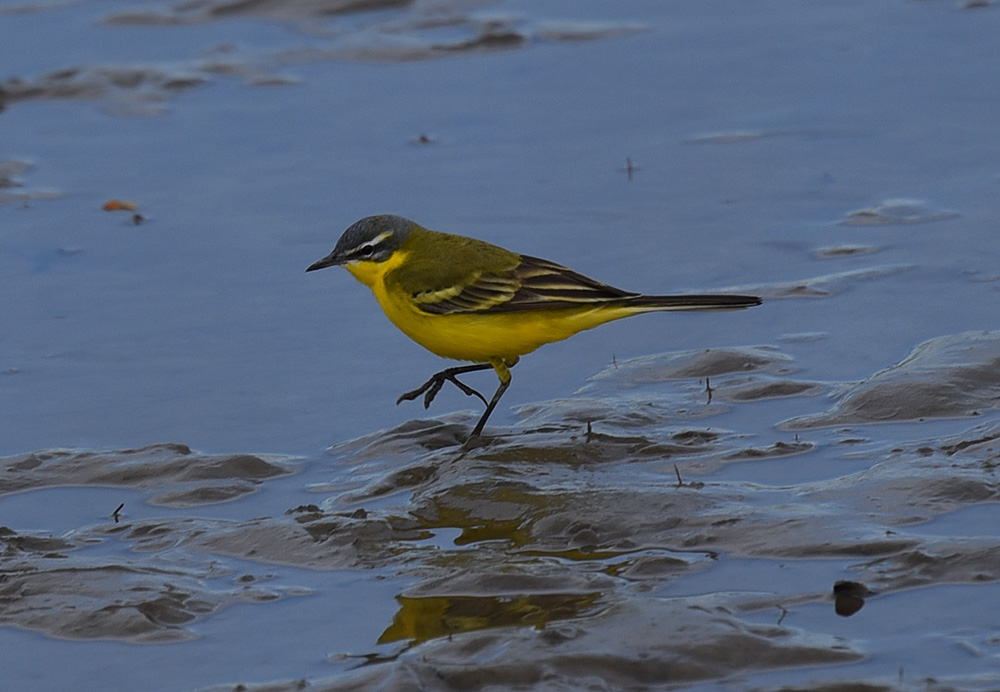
(13, 188)
(195, 479)
(543, 557)
(413, 32)
(893, 212)
(725, 518)
(951, 376)
(45, 586)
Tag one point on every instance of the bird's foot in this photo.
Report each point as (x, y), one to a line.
(431, 387)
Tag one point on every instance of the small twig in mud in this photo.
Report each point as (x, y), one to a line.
(630, 168)
(784, 612)
(116, 515)
(708, 390)
(697, 485)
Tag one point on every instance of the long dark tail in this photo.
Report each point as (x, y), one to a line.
(693, 302)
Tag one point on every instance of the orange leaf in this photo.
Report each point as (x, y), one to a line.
(118, 205)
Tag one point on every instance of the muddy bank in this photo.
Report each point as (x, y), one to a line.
(554, 545)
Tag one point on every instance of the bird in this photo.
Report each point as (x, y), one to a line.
(469, 300)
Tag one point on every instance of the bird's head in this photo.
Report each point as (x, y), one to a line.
(372, 239)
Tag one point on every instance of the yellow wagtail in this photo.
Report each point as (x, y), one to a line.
(466, 299)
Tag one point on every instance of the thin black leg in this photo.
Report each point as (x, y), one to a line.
(437, 380)
(489, 408)
(431, 387)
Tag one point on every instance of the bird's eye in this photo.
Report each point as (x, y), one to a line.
(365, 251)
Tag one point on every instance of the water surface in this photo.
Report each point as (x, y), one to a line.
(795, 496)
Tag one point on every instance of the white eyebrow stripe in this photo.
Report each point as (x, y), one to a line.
(375, 241)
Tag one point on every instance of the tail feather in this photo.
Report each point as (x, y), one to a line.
(693, 302)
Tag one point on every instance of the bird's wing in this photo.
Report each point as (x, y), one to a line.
(533, 284)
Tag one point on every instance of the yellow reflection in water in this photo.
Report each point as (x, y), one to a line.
(423, 618)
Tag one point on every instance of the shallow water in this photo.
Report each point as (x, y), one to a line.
(663, 503)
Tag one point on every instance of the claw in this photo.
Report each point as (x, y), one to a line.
(433, 390)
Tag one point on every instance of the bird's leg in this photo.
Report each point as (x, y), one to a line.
(433, 385)
(502, 366)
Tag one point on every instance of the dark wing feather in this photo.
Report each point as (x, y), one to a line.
(533, 284)
(537, 284)
(545, 284)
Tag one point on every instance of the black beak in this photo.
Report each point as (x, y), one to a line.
(328, 261)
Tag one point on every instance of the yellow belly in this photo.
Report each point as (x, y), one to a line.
(484, 337)
(481, 337)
